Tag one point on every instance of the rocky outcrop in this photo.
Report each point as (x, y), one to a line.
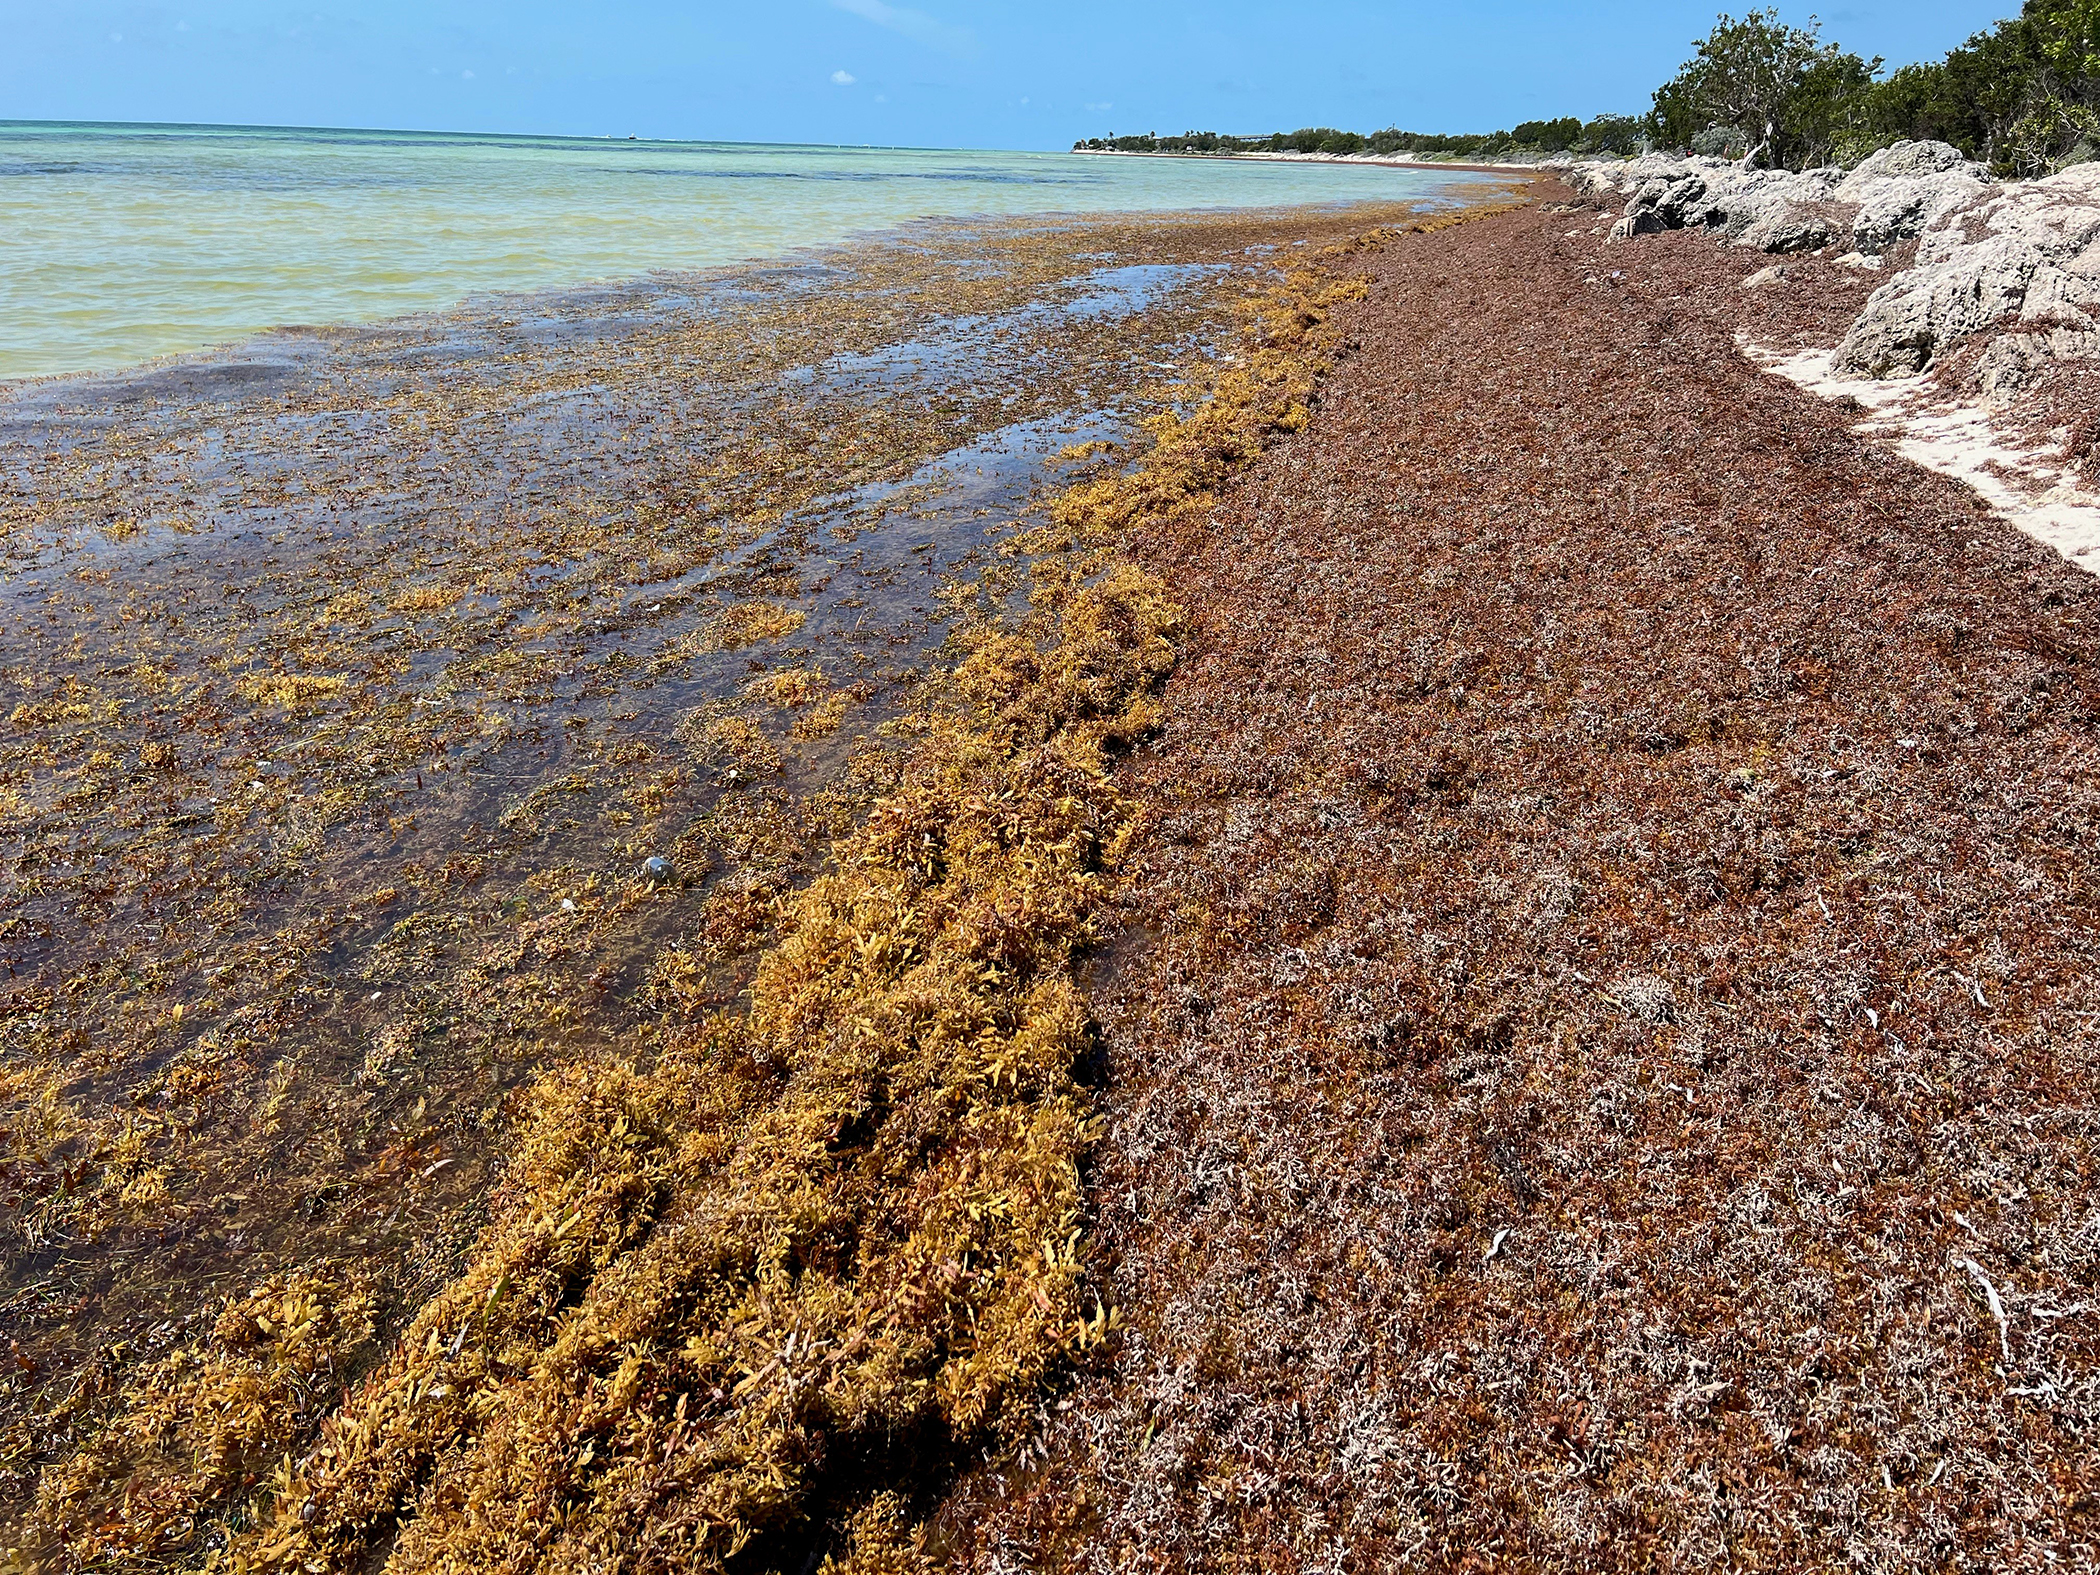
(1593, 182)
(1909, 161)
(1901, 210)
(1903, 191)
(1919, 313)
(1894, 196)
(1775, 211)
(1642, 221)
(1789, 230)
(1772, 210)
(2016, 362)
(2025, 251)
(2020, 258)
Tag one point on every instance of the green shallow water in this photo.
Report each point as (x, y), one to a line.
(121, 243)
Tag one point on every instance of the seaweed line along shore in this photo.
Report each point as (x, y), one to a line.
(1408, 882)
(546, 854)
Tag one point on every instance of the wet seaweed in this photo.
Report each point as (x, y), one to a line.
(735, 1257)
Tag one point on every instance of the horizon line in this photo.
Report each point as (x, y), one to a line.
(520, 136)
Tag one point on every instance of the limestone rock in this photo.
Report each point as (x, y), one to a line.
(1978, 264)
(1902, 191)
(1642, 221)
(1906, 161)
(1594, 182)
(1917, 314)
(1714, 195)
(1986, 252)
(1789, 230)
(1672, 199)
(2056, 292)
(2015, 361)
(1902, 209)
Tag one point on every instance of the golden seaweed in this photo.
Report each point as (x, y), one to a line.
(749, 1280)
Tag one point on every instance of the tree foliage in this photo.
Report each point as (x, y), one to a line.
(2023, 96)
(1619, 134)
(1782, 90)
(1554, 136)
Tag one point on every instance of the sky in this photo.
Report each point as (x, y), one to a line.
(948, 74)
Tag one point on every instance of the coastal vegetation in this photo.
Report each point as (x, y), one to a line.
(1759, 89)
(2022, 96)
(1618, 134)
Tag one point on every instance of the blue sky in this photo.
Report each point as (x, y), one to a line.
(940, 73)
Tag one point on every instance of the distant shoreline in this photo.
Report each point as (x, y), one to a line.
(1389, 160)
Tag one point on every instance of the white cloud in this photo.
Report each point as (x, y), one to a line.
(916, 25)
(1101, 106)
(843, 78)
(466, 76)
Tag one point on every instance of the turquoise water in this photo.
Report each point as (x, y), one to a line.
(121, 242)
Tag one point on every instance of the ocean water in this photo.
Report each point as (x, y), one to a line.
(119, 243)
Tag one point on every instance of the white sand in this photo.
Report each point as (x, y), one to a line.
(2032, 488)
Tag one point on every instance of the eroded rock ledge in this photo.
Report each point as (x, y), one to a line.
(1988, 311)
(1989, 254)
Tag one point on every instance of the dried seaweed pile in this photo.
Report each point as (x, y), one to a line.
(1601, 1076)
(741, 1266)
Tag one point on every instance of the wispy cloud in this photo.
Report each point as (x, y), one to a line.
(915, 25)
(843, 78)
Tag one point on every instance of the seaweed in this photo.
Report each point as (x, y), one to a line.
(1598, 1064)
(753, 1277)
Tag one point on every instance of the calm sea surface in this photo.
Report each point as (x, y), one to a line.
(119, 243)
